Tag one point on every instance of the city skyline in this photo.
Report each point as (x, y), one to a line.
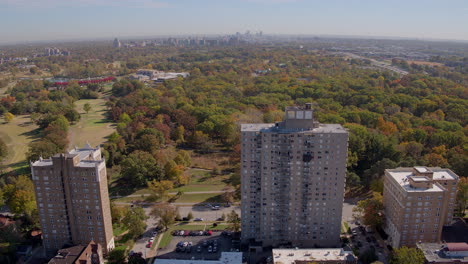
(83, 19)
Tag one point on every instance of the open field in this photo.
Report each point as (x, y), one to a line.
(200, 198)
(93, 126)
(17, 135)
(201, 181)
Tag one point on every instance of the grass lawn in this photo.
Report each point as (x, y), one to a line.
(200, 198)
(118, 230)
(17, 135)
(201, 181)
(218, 227)
(93, 127)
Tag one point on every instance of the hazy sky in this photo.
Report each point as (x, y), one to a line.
(31, 20)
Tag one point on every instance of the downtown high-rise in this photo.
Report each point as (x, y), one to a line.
(292, 181)
(73, 200)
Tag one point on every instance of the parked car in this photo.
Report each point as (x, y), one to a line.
(210, 249)
(199, 249)
(198, 219)
(149, 244)
(205, 243)
(368, 239)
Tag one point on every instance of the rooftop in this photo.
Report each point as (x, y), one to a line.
(403, 176)
(272, 128)
(226, 258)
(290, 256)
(87, 156)
(67, 255)
(437, 253)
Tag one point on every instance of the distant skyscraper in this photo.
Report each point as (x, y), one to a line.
(73, 200)
(293, 177)
(117, 43)
(418, 202)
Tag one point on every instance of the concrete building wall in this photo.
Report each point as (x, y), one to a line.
(293, 176)
(417, 214)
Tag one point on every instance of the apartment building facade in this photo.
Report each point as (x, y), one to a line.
(292, 181)
(418, 202)
(73, 200)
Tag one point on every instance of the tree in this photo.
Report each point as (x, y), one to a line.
(190, 216)
(118, 213)
(166, 213)
(234, 221)
(3, 150)
(19, 195)
(405, 255)
(462, 196)
(370, 210)
(368, 256)
(160, 189)
(136, 259)
(134, 220)
(140, 167)
(87, 107)
(8, 117)
(117, 256)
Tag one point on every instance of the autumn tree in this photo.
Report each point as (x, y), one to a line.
(8, 117)
(405, 255)
(369, 211)
(234, 221)
(165, 213)
(19, 195)
(159, 189)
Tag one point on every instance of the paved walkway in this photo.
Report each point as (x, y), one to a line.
(171, 193)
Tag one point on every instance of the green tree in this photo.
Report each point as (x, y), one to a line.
(19, 195)
(370, 210)
(134, 221)
(234, 221)
(462, 196)
(140, 167)
(3, 150)
(166, 213)
(405, 255)
(190, 216)
(117, 256)
(87, 107)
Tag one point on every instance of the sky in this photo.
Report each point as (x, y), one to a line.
(42, 20)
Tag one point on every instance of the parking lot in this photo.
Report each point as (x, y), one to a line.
(365, 241)
(199, 248)
(206, 212)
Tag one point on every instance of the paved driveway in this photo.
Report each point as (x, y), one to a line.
(140, 244)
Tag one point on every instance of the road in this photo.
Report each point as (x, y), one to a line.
(140, 244)
(376, 63)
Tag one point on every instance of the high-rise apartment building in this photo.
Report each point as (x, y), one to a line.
(293, 177)
(418, 202)
(73, 200)
(117, 43)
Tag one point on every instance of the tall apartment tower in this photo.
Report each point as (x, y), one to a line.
(117, 43)
(418, 202)
(73, 200)
(292, 181)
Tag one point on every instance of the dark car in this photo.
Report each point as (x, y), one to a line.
(359, 244)
(368, 239)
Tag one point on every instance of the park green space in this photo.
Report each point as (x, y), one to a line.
(17, 135)
(93, 127)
